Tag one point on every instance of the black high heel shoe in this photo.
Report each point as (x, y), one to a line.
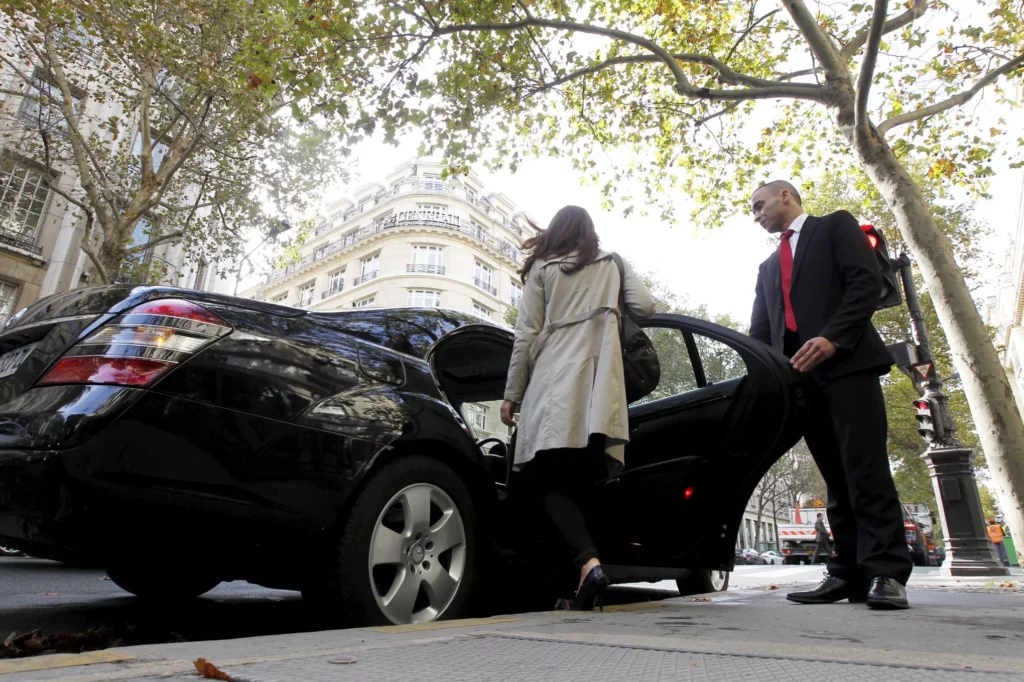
(591, 592)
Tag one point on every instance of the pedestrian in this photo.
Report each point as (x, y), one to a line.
(814, 300)
(820, 539)
(996, 535)
(566, 377)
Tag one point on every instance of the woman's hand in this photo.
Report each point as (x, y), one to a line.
(508, 408)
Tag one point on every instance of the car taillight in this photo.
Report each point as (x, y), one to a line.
(140, 346)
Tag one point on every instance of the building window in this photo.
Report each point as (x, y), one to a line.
(470, 195)
(364, 303)
(306, 294)
(429, 259)
(8, 293)
(515, 290)
(481, 311)
(280, 299)
(23, 195)
(369, 264)
(335, 283)
(432, 207)
(476, 415)
(419, 298)
(482, 278)
(42, 106)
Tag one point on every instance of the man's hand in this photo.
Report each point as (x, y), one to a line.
(508, 408)
(816, 351)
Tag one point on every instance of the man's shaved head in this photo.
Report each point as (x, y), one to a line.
(776, 187)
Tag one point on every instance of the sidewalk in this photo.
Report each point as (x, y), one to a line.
(968, 629)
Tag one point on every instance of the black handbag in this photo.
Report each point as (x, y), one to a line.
(640, 366)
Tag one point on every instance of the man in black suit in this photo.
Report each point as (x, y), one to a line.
(814, 300)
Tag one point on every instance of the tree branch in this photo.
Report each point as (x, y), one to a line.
(746, 32)
(955, 100)
(915, 12)
(765, 89)
(821, 45)
(862, 125)
(155, 242)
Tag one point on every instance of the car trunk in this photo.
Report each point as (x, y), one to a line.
(470, 364)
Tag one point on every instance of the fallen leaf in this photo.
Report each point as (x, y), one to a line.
(701, 599)
(343, 661)
(210, 671)
(773, 587)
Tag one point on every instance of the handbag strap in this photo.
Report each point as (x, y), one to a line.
(623, 310)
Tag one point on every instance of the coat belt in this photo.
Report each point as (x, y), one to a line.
(552, 327)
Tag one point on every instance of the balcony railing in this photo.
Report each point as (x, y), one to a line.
(418, 187)
(366, 277)
(19, 241)
(333, 290)
(485, 285)
(415, 218)
(425, 269)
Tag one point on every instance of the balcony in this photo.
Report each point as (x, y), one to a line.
(424, 269)
(485, 285)
(365, 277)
(415, 218)
(19, 241)
(419, 187)
(333, 291)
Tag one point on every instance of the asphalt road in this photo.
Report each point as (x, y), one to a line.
(43, 595)
(52, 597)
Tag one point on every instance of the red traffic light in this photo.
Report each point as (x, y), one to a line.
(869, 232)
(922, 405)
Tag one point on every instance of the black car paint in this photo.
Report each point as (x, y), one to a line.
(263, 439)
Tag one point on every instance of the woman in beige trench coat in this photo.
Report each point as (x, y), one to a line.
(566, 375)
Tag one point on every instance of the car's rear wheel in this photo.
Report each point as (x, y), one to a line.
(408, 551)
(703, 582)
(161, 581)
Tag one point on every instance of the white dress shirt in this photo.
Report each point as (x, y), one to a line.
(796, 226)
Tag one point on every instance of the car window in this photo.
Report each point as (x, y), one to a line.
(676, 369)
(484, 420)
(720, 362)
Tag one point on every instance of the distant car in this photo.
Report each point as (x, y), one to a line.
(741, 559)
(771, 557)
(752, 556)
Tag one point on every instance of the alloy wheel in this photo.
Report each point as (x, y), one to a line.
(417, 554)
(717, 579)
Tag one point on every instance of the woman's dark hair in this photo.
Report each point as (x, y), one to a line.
(571, 230)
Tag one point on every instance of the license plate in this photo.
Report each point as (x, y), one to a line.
(9, 362)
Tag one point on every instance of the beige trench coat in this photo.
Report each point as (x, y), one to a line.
(568, 379)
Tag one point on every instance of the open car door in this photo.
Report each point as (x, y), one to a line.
(726, 408)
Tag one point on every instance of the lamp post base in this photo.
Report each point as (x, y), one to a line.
(968, 550)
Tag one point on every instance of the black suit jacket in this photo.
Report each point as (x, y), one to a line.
(835, 288)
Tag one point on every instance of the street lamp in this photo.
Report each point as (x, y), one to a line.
(968, 552)
(272, 234)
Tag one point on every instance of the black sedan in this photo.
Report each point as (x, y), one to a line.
(180, 439)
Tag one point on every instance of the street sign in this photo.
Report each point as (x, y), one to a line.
(818, 502)
(923, 371)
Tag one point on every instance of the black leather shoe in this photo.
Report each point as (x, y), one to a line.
(831, 590)
(887, 593)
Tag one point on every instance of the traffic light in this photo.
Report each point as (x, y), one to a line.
(890, 287)
(928, 424)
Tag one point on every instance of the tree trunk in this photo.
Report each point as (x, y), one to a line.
(986, 385)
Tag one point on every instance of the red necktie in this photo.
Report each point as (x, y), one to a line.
(786, 261)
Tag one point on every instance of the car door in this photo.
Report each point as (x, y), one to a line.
(725, 409)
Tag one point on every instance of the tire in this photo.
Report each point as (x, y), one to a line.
(417, 570)
(703, 581)
(161, 582)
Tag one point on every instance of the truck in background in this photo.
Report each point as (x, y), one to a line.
(797, 539)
